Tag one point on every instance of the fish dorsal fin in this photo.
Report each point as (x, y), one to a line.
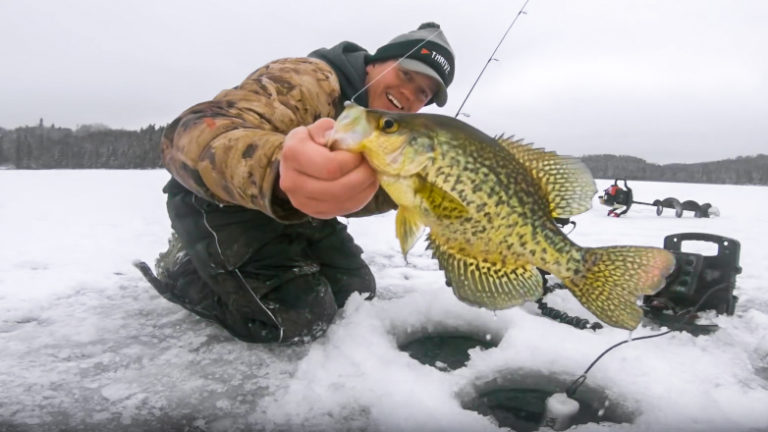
(486, 284)
(565, 180)
(409, 227)
(440, 202)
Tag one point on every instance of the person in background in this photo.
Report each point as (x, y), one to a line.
(255, 192)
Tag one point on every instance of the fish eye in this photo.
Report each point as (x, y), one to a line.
(388, 125)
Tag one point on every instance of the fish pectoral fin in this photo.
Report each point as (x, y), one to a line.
(485, 284)
(440, 202)
(409, 227)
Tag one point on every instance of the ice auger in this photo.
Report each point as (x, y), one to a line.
(621, 199)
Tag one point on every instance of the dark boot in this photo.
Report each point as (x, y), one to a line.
(177, 281)
(296, 305)
(304, 306)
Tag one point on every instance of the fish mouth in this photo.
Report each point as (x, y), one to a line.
(345, 140)
(350, 129)
(394, 101)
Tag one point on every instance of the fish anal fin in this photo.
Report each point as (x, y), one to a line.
(487, 284)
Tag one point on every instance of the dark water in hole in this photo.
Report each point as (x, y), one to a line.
(444, 351)
(516, 398)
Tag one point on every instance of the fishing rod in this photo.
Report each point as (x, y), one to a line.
(520, 12)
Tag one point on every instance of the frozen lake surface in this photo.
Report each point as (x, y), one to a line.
(87, 344)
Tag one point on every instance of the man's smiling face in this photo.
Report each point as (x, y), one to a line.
(394, 88)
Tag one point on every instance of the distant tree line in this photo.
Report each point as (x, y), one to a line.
(88, 146)
(98, 146)
(741, 170)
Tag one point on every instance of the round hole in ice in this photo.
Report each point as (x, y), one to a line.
(516, 400)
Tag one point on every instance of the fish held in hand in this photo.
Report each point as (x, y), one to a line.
(489, 204)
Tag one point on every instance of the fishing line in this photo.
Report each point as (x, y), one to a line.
(690, 312)
(396, 63)
(521, 12)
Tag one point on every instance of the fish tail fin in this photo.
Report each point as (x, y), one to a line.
(614, 277)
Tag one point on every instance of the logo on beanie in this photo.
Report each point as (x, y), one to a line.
(436, 56)
(438, 59)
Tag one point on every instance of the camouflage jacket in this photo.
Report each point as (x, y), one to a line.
(227, 150)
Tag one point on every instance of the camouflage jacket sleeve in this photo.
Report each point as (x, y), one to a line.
(227, 150)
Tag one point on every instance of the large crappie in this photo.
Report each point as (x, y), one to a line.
(489, 204)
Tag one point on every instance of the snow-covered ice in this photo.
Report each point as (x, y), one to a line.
(87, 344)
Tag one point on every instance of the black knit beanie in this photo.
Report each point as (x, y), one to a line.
(424, 50)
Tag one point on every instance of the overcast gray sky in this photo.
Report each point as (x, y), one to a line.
(664, 80)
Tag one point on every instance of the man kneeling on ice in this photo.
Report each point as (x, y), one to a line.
(255, 191)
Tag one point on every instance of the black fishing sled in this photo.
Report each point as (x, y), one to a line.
(621, 199)
(699, 283)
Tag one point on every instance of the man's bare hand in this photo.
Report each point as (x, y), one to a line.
(320, 182)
